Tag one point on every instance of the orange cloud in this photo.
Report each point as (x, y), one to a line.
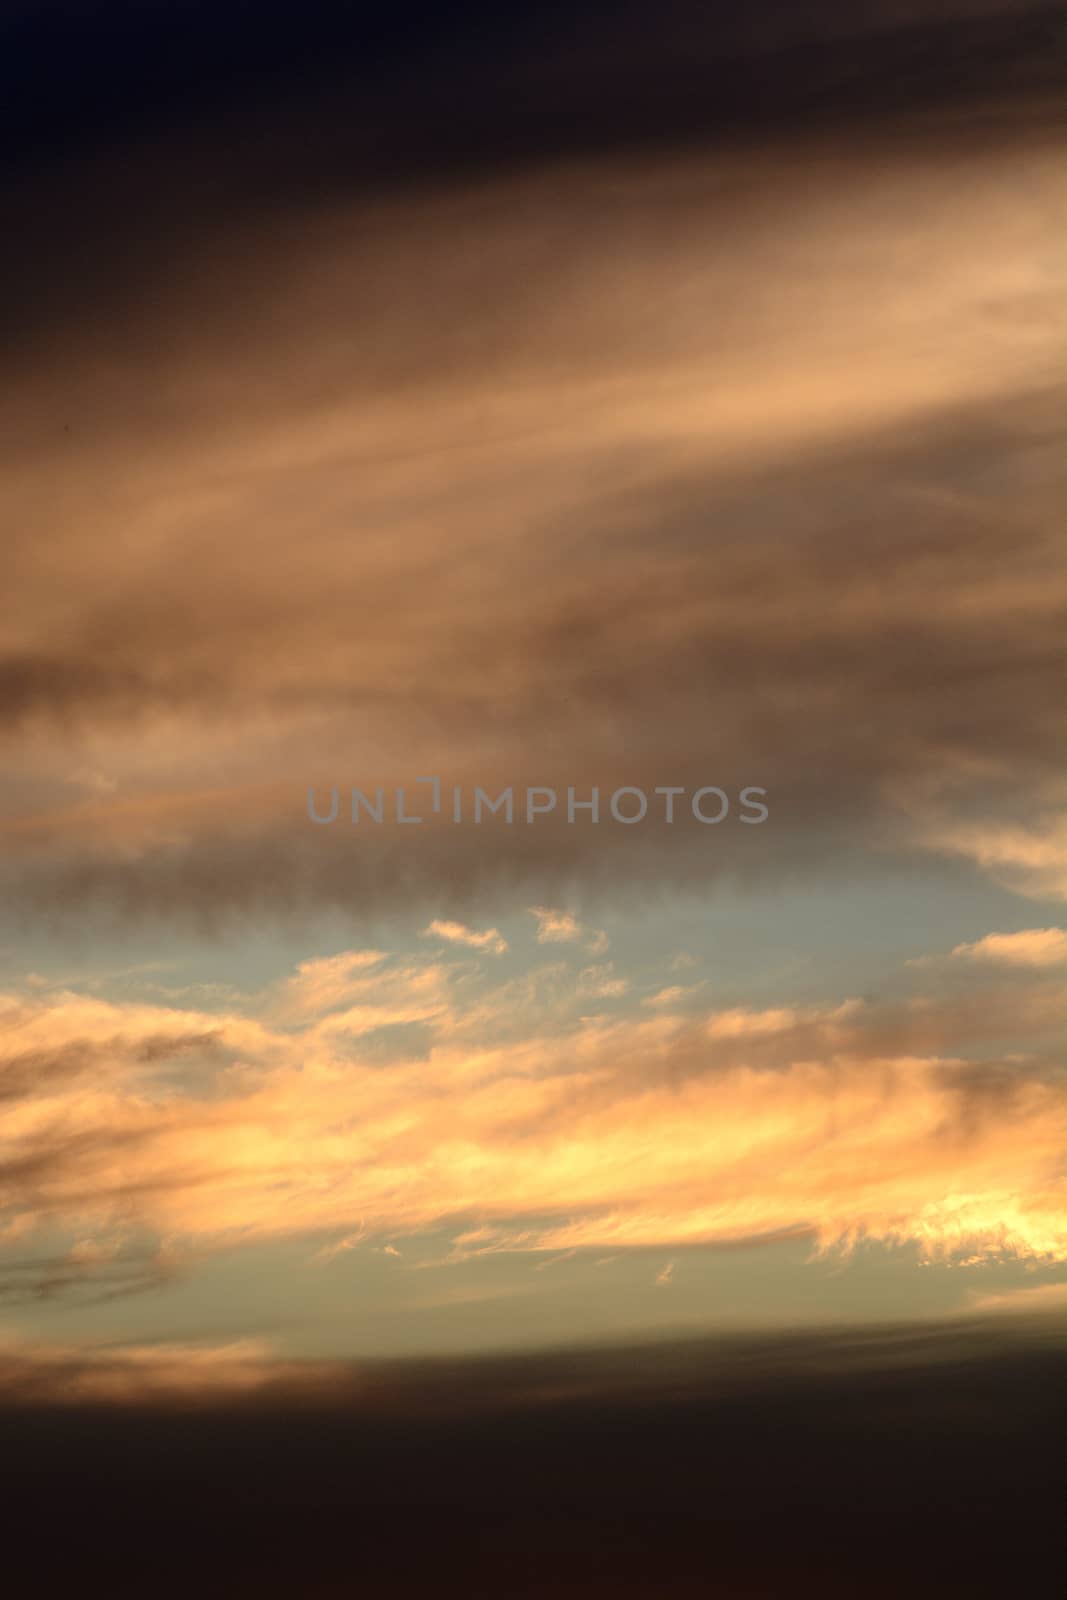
(489, 939)
(1033, 947)
(165, 1373)
(554, 1132)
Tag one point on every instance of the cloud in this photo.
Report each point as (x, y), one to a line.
(602, 983)
(164, 1373)
(673, 995)
(596, 498)
(211, 1372)
(561, 927)
(1033, 947)
(555, 927)
(356, 992)
(331, 981)
(1030, 859)
(491, 940)
(740, 1023)
(544, 1130)
(860, 1417)
(93, 1271)
(1038, 1297)
(329, 1252)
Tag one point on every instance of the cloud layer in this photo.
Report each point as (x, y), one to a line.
(741, 467)
(525, 1121)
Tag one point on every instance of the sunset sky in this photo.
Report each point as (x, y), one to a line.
(565, 403)
(731, 461)
(451, 402)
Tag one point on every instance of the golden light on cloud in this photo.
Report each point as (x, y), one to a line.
(1032, 947)
(171, 1374)
(217, 1127)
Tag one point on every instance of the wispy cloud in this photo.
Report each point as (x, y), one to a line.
(132, 1374)
(675, 994)
(1034, 1297)
(490, 939)
(562, 927)
(602, 982)
(889, 1121)
(555, 927)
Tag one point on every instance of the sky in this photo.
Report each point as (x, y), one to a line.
(574, 404)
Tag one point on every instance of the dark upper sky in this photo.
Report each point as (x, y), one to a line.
(465, 81)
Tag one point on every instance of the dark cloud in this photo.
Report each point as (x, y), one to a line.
(874, 1462)
(130, 131)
